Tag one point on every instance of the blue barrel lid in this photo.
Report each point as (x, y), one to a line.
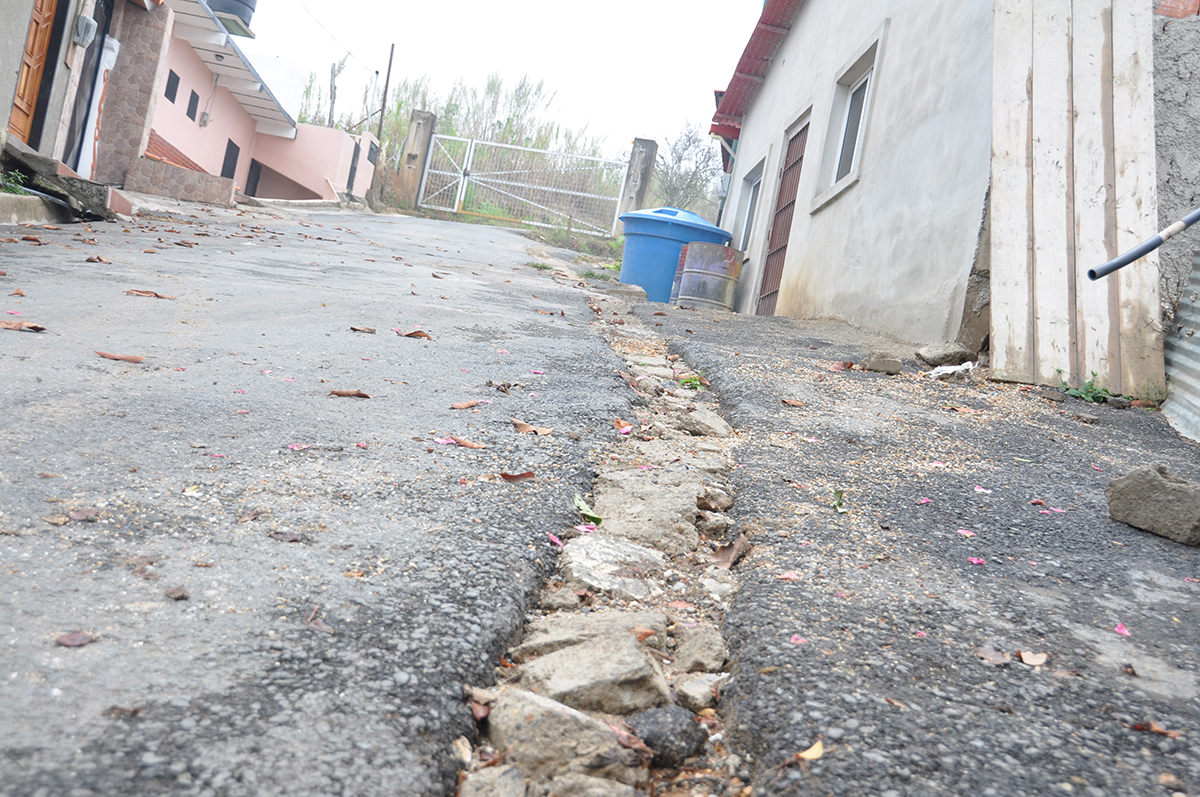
(684, 218)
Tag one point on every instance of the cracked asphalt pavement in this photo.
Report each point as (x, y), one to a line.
(346, 572)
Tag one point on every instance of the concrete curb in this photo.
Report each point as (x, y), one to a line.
(25, 209)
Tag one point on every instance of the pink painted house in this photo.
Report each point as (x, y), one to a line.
(215, 117)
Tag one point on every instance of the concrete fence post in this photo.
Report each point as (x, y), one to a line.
(412, 159)
(637, 179)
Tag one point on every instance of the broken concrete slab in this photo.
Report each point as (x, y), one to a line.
(944, 354)
(548, 634)
(882, 363)
(543, 738)
(560, 600)
(610, 674)
(667, 455)
(705, 423)
(694, 691)
(576, 785)
(701, 650)
(504, 781)
(1153, 500)
(611, 566)
(664, 373)
(655, 508)
(672, 733)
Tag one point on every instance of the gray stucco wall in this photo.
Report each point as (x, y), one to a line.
(15, 14)
(1177, 131)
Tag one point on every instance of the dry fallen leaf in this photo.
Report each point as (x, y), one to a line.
(840, 365)
(57, 520)
(993, 656)
(150, 294)
(641, 633)
(97, 259)
(348, 393)
(86, 515)
(17, 292)
(727, 555)
(895, 703)
(368, 330)
(416, 333)
(320, 626)
(284, 536)
(464, 405)
(813, 753)
(517, 477)
(793, 402)
(128, 358)
(525, 428)
(1032, 659)
(354, 574)
(76, 640)
(465, 443)
(21, 325)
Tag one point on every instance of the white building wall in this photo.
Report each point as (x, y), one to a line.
(891, 252)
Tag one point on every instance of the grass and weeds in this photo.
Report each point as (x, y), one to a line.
(12, 182)
(540, 266)
(1088, 391)
(591, 274)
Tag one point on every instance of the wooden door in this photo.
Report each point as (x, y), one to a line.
(781, 224)
(29, 82)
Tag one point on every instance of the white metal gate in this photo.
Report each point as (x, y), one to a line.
(521, 184)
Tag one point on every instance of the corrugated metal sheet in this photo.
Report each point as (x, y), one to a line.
(773, 27)
(1181, 347)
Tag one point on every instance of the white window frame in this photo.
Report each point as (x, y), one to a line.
(856, 152)
(751, 209)
(861, 68)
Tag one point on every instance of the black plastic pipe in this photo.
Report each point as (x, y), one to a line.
(1145, 247)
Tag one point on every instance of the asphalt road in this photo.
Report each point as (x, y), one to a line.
(331, 664)
(975, 526)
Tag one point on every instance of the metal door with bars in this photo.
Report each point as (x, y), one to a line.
(521, 184)
(781, 224)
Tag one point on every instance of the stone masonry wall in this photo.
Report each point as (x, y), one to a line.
(1177, 118)
(148, 176)
(133, 88)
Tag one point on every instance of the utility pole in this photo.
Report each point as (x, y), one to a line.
(387, 81)
(333, 73)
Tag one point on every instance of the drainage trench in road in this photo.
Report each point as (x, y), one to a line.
(614, 689)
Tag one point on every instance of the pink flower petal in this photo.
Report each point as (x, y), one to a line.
(299, 446)
(966, 533)
(533, 395)
(805, 543)
(180, 369)
(937, 464)
(219, 456)
(1033, 564)
(924, 501)
(444, 441)
(1193, 580)
(1044, 512)
(626, 429)
(502, 351)
(1121, 629)
(264, 372)
(239, 391)
(788, 576)
(975, 561)
(1054, 509)
(288, 379)
(922, 633)
(535, 371)
(361, 445)
(555, 541)
(980, 489)
(809, 439)
(14, 312)
(797, 639)
(586, 528)
(243, 412)
(1097, 467)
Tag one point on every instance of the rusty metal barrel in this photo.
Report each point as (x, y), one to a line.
(710, 275)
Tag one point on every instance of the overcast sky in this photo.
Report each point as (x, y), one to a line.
(622, 68)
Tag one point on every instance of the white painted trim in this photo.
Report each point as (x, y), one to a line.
(193, 35)
(238, 84)
(280, 129)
